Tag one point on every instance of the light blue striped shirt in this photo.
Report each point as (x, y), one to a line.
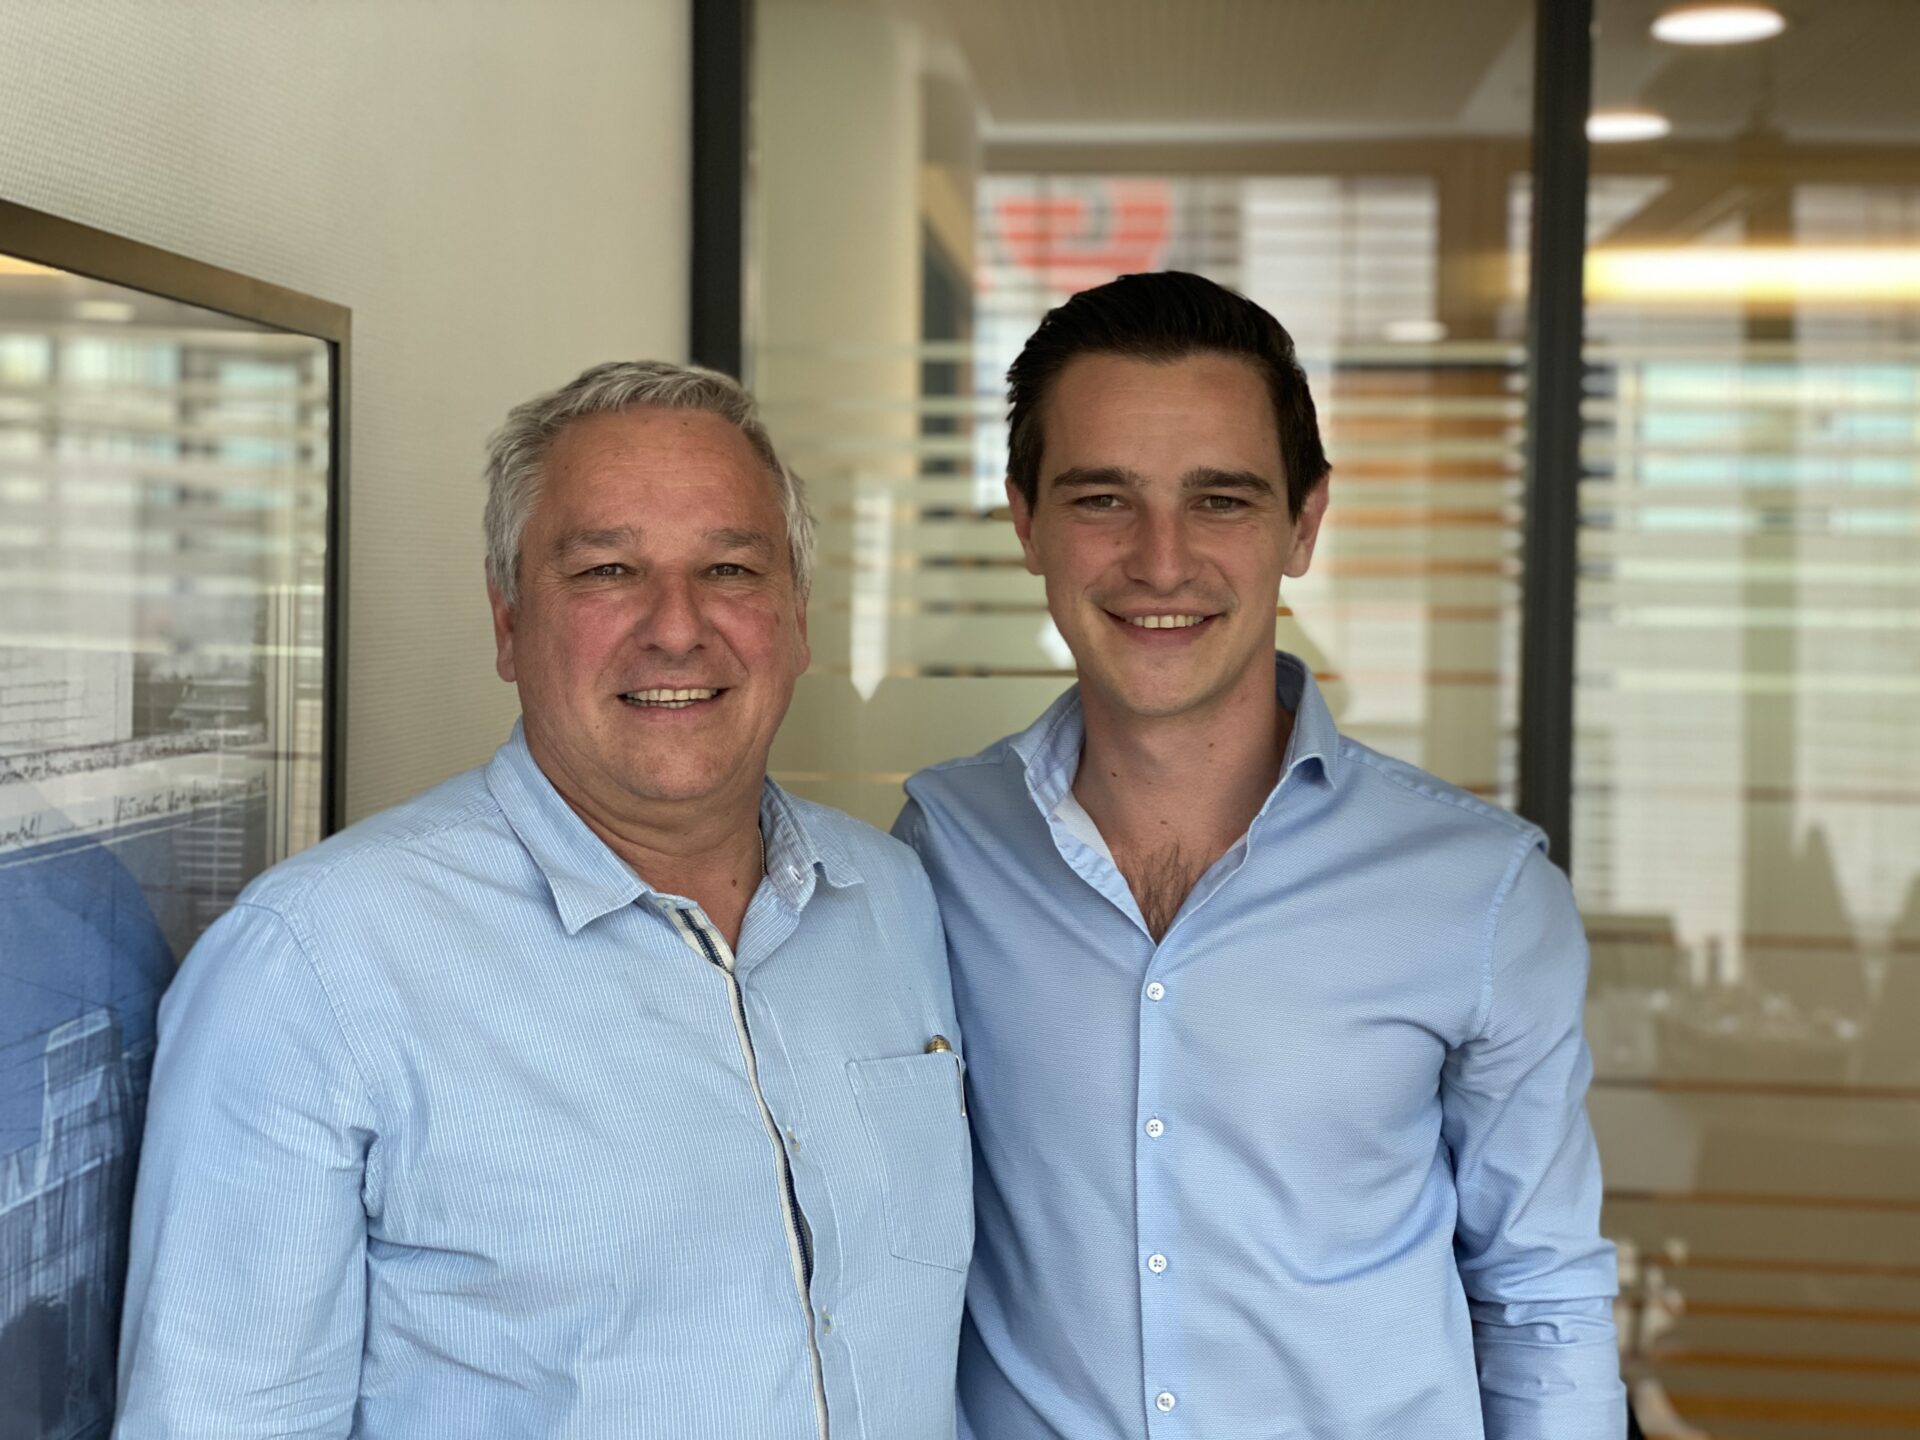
(457, 1130)
(1317, 1165)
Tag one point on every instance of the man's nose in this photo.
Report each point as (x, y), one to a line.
(1161, 556)
(672, 620)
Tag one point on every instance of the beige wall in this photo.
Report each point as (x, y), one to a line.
(498, 192)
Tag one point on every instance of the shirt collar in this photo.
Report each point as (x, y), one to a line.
(1050, 747)
(797, 851)
(588, 880)
(1315, 737)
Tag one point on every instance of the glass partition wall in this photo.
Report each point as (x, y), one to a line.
(930, 180)
(1746, 790)
(930, 177)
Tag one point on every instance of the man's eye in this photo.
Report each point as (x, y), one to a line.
(1098, 502)
(606, 571)
(1221, 504)
(726, 570)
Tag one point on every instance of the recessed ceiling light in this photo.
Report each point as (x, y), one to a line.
(1414, 332)
(1718, 24)
(1755, 274)
(111, 312)
(1614, 127)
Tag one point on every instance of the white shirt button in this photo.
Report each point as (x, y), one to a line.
(1164, 1401)
(1157, 1264)
(826, 1320)
(1156, 991)
(793, 1140)
(1155, 1129)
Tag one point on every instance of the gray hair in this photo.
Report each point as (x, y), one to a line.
(517, 451)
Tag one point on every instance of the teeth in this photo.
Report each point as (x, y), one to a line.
(1164, 622)
(670, 699)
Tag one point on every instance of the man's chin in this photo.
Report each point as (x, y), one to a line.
(1165, 689)
(1151, 697)
(683, 788)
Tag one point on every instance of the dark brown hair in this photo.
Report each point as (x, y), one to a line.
(1160, 318)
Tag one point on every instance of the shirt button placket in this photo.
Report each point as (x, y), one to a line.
(1158, 1343)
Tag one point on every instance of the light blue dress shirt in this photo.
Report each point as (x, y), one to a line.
(1317, 1165)
(457, 1130)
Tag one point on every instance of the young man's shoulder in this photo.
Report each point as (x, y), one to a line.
(986, 771)
(1402, 794)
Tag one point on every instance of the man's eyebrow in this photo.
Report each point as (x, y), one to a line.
(1207, 478)
(730, 539)
(612, 538)
(1118, 477)
(1087, 477)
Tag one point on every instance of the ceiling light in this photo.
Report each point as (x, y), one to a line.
(13, 265)
(111, 312)
(1718, 24)
(1414, 332)
(1756, 274)
(1614, 127)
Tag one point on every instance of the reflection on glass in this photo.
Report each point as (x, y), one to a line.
(1747, 803)
(163, 494)
(926, 190)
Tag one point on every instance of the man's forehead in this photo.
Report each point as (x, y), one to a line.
(651, 433)
(590, 466)
(1192, 421)
(1199, 392)
(581, 538)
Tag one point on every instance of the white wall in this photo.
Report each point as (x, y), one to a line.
(496, 188)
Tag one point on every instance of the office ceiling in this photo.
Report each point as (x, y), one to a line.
(1293, 65)
(1171, 69)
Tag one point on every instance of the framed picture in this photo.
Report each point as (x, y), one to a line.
(172, 438)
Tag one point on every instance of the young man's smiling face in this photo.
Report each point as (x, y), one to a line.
(1161, 528)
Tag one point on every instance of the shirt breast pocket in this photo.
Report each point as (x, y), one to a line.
(917, 1119)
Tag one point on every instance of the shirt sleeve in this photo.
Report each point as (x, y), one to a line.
(1539, 1279)
(246, 1286)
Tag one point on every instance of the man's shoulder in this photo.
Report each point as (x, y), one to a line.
(1414, 798)
(985, 772)
(367, 858)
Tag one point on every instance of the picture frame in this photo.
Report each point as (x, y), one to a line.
(173, 443)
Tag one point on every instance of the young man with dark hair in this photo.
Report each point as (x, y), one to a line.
(1274, 1042)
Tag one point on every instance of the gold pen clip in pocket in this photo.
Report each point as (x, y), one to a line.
(940, 1045)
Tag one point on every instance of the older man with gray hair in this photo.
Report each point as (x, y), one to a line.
(604, 1091)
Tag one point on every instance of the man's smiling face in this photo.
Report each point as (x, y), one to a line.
(657, 635)
(1161, 528)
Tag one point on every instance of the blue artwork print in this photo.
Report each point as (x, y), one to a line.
(82, 963)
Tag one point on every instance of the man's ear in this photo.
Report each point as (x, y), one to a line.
(1023, 526)
(1306, 530)
(800, 623)
(503, 618)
